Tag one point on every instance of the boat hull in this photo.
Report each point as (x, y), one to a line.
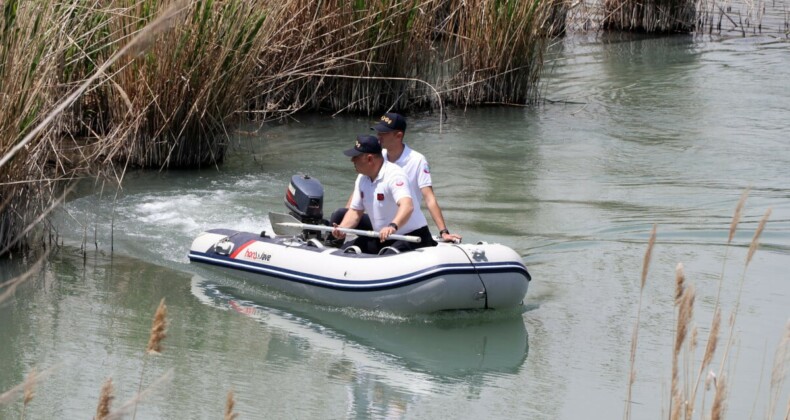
(445, 277)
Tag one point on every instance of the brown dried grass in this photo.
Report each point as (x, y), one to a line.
(157, 83)
(154, 347)
(779, 373)
(736, 217)
(229, 404)
(29, 390)
(632, 370)
(105, 400)
(719, 399)
(26, 387)
(130, 405)
(683, 388)
(652, 16)
(158, 329)
(733, 316)
(756, 239)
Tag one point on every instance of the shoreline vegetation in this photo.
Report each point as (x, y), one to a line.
(92, 89)
(89, 90)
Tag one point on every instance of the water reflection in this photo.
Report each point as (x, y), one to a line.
(385, 362)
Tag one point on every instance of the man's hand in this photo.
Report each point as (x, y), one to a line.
(451, 237)
(336, 233)
(385, 232)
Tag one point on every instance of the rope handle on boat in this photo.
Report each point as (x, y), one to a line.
(369, 233)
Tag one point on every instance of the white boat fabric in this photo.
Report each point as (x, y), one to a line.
(444, 277)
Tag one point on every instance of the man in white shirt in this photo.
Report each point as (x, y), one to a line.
(390, 129)
(382, 191)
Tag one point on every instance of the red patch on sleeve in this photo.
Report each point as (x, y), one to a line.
(380, 197)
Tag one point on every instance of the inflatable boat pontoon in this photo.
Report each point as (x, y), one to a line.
(444, 277)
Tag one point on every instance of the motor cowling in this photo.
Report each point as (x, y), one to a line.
(304, 199)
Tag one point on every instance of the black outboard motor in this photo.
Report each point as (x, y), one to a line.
(304, 200)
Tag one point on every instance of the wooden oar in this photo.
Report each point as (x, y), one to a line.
(369, 233)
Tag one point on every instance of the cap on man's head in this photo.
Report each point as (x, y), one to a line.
(364, 144)
(390, 122)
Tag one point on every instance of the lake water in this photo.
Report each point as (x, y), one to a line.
(666, 131)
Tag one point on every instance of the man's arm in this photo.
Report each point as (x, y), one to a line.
(405, 208)
(436, 214)
(350, 220)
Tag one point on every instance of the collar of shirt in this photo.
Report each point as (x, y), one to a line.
(403, 156)
(380, 175)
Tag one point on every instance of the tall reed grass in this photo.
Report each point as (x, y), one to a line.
(167, 98)
(372, 56)
(686, 378)
(28, 74)
(652, 16)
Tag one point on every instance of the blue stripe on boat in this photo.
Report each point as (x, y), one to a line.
(358, 285)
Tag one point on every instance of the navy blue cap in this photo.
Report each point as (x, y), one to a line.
(364, 144)
(390, 122)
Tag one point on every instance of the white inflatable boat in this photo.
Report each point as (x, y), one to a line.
(444, 277)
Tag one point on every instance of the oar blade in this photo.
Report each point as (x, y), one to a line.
(284, 224)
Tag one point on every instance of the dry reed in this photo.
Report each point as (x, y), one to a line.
(719, 400)
(779, 372)
(32, 378)
(632, 370)
(158, 329)
(683, 388)
(685, 314)
(713, 339)
(648, 255)
(653, 16)
(684, 301)
(680, 282)
(131, 404)
(83, 89)
(733, 316)
(154, 347)
(105, 400)
(713, 336)
(378, 56)
(229, 403)
(37, 46)
(736, 217)
(756, 239)
(29, 390)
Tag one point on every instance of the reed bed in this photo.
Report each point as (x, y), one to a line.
(700, 17)
(742, 19)
(27, 87)
(652, 16)
(372, 56)
(166, 97)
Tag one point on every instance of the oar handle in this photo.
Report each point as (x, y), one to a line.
(368, 233)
